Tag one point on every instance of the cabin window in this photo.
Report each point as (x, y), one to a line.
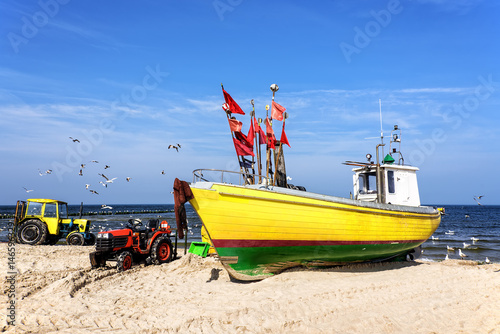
(63, 210)
(50, 210)
(34, 209)
(390, 181)
(368, 183)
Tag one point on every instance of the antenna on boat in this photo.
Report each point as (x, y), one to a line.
(381, 130)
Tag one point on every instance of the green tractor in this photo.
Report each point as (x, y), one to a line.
(44, 221)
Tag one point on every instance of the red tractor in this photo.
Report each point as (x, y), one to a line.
(136, 243)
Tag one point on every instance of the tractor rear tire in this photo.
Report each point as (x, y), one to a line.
(161, 251)
(32, 232)
(75, 239)
(124, 261)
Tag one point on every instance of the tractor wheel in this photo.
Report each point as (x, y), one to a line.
(75, 239)
(32, 232)
(161, 251)
(91, 240)
(124, 261)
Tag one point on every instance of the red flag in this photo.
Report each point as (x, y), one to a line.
(251, 133)
(243, 139)
(233, 106)
(271, 139)
(242, 149)
(284, 139)
(277, 111)
(262, 135)
(234, 124)
(269, 127)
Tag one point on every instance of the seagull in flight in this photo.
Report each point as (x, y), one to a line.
(106, 167)
(104, 206)
(163, 172)
(93, 192)
(174, 146)
(82, 165)
(27, 190)
(128, 179)
(477, 198)
(103, 184)
(87, 186)
(48, 171)
(74, 140)
(94, 161)
(81, 172)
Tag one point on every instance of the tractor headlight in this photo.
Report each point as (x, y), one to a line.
(104, 236)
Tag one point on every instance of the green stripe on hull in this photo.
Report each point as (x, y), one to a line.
(256, 261)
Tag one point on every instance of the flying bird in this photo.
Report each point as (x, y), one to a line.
(93, 192)
(94, 161)
(87, 186)
(106, 167)
(477, 198)
(81, 172)
(27, 190)
(128, 179)
(462, 255)
(104, 206)
(173, 146)
(74, 140)
(82, 165)
(163, 172)
(103, 184)
(48, 171)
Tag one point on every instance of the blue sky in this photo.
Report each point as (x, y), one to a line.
(128, 79)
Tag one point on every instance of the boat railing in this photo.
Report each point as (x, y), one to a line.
(227, 176)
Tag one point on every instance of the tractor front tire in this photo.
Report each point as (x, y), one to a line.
(124, 261)
(53, 239)
(91, 240)
(32, 232)
(161, 251)
(75, 239)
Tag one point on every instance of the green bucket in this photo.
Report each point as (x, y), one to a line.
(199, 248)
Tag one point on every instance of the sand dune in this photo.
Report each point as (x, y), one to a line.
(56, 291)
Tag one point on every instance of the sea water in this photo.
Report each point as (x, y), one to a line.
(476, 226)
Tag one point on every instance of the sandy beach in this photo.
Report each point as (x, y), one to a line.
(56, 291)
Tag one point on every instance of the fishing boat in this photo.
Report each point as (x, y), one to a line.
(259, 225)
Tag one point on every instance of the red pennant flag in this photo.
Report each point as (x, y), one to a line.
(234, 124)
(251, 133)
(259, 130)
(284, 139)
(277, 111)
(233, 106)
(271, 139)
(243, 139)
(269, 127)
(242, 149)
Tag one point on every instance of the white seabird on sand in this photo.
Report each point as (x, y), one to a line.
(462, 255)
(487, 260)
(446, 258)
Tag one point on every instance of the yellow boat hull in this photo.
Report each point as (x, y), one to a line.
(258, 232)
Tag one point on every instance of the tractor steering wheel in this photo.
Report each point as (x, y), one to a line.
(134, 223)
